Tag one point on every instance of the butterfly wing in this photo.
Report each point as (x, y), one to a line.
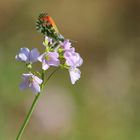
(46, 25)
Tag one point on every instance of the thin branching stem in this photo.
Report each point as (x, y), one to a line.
(26, 121)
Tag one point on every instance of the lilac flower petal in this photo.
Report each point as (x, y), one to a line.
(74, 74)
(24, 54)
(21, 57)
(73, 59)
(53, 54)
(66, 45)
(45, 65)
(24, 85)
(67, 54)
(25, 51)
(41, 57)
(27, 75)
(17, 58)
(53, 59)
(31, 81)
(72, 49)
(34, 54)
(70, 61)
(49, 59)
(35, 87)
(38, 80)
(70, 52)
(27, 56)
(54, 62)
(78, 60)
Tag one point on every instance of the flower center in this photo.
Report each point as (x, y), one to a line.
(31, 79)
(47, 58)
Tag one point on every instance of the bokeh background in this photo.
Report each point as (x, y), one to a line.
(105, 103)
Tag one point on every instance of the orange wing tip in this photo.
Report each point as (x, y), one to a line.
(45, 17)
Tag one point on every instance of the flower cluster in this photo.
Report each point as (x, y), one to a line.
(57, 53)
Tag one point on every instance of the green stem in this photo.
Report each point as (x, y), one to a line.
(28, 117)
(31, 109)
(50, 76)
(33, 105)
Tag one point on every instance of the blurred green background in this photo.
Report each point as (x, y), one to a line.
(104, 104)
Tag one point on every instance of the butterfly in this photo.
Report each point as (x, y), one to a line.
(46, 25)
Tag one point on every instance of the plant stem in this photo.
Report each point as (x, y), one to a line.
(33, 104)
(50, 76)
(28, 117)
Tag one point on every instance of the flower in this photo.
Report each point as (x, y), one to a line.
(74, 74)
(47, 41)
(73, 59)
(49, 59)
(31, 81)
(27, 56)
(66, 45)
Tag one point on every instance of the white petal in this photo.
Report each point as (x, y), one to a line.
(27, 75)
(74, 74)
(45, 66)
(22, 57)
